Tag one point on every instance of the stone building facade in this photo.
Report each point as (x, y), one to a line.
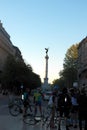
(6, 47)
(82, 62)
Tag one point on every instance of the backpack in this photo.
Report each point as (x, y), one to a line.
(51, 101)
(25, 96)
(64, 100)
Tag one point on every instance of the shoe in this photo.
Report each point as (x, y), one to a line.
(41, 115)
(53, 127)
(21, 111)
(75, 126)
(59, 127)
(67, 128)
(24, 116)
(70, 125)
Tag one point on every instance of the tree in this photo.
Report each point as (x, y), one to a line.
(36, 81)
(59, 82)
(71, 57)
(70, 66)
(16, 72)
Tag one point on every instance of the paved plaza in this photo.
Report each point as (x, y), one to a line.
(8, 122)
(16, 123)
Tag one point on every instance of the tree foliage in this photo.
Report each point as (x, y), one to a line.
(59, 82)
(70, 66)
(16, 72)
(71, 56)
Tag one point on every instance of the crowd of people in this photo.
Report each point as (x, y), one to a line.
(70, 103)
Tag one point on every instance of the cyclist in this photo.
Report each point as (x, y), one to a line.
(74, 109)
(82, 101)
(64, 106)
(26, 100)
(38, 101)
(52, 105)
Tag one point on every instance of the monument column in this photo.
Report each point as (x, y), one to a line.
(46, 69)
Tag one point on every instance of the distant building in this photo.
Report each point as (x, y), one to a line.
(82, 62)
(6, 47)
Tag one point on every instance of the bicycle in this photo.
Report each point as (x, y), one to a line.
(47, 116)
(31, 119)
(16, 107)
(48, 113)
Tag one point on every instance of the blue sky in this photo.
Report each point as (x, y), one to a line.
(37, 24)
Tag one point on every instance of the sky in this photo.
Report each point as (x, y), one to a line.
(34, 25)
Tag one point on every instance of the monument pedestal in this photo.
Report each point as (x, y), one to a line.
(45, 84)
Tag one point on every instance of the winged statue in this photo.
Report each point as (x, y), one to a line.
(46, 50)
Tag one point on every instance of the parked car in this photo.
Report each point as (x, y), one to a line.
(46, 95)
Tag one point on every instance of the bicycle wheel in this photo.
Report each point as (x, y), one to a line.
(30, 109)
(46, 115)
(47, 111)
(18, 101)
(29, 119)
(14, 110)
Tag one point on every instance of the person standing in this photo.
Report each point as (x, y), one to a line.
(82, 109)
(64, 106)
(74, 109)
(26, 101)
(52, 105)
(38, 101)
(21, 89)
